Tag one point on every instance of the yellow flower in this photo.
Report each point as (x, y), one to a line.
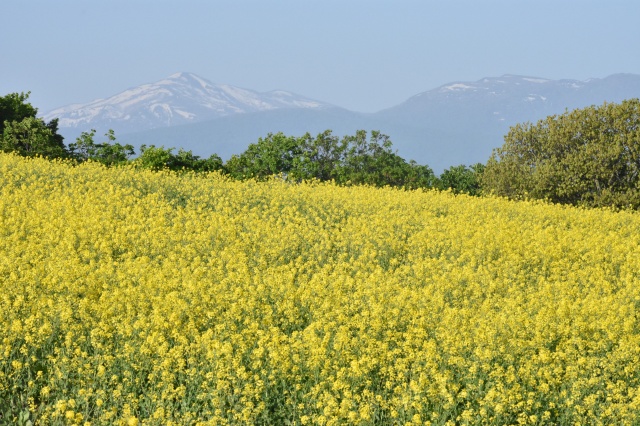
(128, 290)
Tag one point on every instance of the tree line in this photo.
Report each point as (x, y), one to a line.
(360, 159)
(587, 157)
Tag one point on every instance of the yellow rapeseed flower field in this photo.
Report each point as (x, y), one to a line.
(130, 297)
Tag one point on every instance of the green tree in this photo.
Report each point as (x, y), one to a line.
(185, 160)
(109, 152)
(588, 156)
(154, 158)
(271, 155)
(462, 179)
(360, 155)
(419, 176)
(30, 137)
(22, 132)
(372, 162)
(159, 158)
(14, 107)
(318, 157)
(354, 159)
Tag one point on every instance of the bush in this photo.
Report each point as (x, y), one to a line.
(462, 179)
(588, 157)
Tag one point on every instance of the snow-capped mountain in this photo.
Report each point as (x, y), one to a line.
(182, 98)
(462, 122)
(512, 98)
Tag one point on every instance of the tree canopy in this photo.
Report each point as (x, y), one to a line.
(352, 160)
(589, 157)
(462, 179)
(22, 132)
(14, 107)
(159, 158)
(108, 153)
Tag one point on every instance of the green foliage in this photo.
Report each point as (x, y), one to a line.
(370, 162)
(419, 176)
(352, 160)
(154, 158)
(14, 107)
(31, 137)
(23, 133)
(108, 153)
(357, 160)
(272, 155)
(185, 160)
(462, 179)
(319, 157)
(159, 158)
(589, 157)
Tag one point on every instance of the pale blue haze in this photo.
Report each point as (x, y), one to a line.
(361, 55)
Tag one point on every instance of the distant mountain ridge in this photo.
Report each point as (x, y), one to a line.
(462, 122)
(457, 123)
(513, 97)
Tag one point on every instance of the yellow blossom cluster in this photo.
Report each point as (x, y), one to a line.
(131, 297)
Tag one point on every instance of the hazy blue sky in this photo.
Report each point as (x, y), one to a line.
(361, 55)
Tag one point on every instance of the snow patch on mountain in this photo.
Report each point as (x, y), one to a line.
(535, 80)
(457, 87)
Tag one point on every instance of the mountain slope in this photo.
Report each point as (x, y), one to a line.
(473, 117)
(511, 98)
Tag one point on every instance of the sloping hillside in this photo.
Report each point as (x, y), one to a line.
(139, 297)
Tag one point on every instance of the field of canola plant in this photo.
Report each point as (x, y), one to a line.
(134, 297)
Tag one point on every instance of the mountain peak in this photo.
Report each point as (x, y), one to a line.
(181, 98)
(190, 78)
